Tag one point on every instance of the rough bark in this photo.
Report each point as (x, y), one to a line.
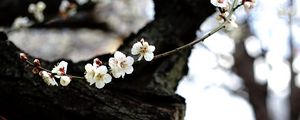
(147, 94)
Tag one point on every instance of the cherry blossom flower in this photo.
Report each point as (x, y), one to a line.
(61, 68)
(219, 3)
(101, 76)
(97, 75)
(90, 70)
(120, 64)
(65, 80)
(48, 78)
(21, 22)
(143, 49)
(67, 9)
(249, 5)
(37, 10)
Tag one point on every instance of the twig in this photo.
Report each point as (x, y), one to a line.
(221, 26)
(191, 43)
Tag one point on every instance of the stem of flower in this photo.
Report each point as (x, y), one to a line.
(75, 77)
(221, 26)
(32, 64)
(239, 5)
(233, 8)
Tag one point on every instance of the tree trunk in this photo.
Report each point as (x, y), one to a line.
(244, 68)
(147, 94)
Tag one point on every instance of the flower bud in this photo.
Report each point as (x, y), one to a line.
(48, 78)
(23, 57)
(97, 62)
(37, 62)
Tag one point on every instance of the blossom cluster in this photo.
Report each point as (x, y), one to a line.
(224, 11)
(59, 71)
(119, 64)
(96, 73)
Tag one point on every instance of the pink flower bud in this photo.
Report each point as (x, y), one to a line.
(37, 62)
(97, 61)
(23, 57)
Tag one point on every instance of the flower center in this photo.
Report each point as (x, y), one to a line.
(123, 64)
(143, 49)
(62, 70)
(99, 76)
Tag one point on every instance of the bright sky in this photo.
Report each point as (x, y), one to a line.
(207, 87)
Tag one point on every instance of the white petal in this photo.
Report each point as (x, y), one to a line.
(146, 44)
(89, 76)
(151, 48)
(116, 74)
(55, 70)
(21, 22)
(63, 64)
(100, 84)
(64, 5)
(81, 2)
(111, 62)
(91, 81)
(129, 60)
(149, 56)
(57, 76)
(88, 67)
(107, 78)
(217, 4)
(129, 70)
(140, 57)
(123, 74)
(119, 55)
(65, 80)
(136, 48)
(53, 82)
(48, 79)
(40, 6)
(101, 70)
(31, 8)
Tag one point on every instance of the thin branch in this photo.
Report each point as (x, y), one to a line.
(221, 26)
(239, 5)
(191, 43)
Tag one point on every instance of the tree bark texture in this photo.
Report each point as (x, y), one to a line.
(147, 94)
